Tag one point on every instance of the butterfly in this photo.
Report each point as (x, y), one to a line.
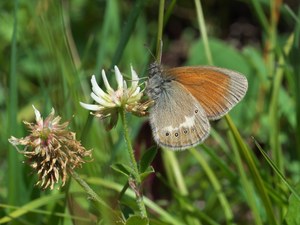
(186, 98)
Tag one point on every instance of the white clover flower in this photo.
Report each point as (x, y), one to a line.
(107, 103)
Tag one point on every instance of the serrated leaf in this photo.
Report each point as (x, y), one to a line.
(123, 169)
(137, 220)
(293, 216)
(147, 159)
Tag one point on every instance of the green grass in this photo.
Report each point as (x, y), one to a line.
(246, 172)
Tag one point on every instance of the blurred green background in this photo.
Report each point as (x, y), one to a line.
(50, 49)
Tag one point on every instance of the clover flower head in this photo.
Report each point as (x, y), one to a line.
(51, 149)
(107, 103)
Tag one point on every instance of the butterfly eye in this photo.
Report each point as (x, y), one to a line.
(176, 134)
(196, 111)
(167, 134)
(185, 131)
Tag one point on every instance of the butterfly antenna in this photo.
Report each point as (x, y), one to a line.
(151, 53)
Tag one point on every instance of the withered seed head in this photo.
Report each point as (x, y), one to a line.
(51, 149)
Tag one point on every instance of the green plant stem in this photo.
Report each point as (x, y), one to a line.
(277, 76)
(169, 10)
(273, 111)
(174, 169)
(136, 176)
(89, 190)
(294, 59)
(260, 14)
(203, 31)
(95, 197)
(245, 182)
(13, 167)
(160, 30)
(133, 162)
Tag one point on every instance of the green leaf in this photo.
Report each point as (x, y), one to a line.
(137, 220)
(123, 169)
(148, 171)
(293, 216)
(158, 222)
(147, 159)
(230, 57)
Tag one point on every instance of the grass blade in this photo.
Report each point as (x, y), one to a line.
(216, 185)
(13, 162)
(276, 169)
(244, 152)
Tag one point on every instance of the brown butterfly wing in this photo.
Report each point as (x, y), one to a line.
(216, 89)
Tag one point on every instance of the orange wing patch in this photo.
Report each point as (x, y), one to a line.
(216, 89)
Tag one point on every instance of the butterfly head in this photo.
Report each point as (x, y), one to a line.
(155, 69)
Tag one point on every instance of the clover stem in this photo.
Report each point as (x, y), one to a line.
(135, 180)
(95, 197)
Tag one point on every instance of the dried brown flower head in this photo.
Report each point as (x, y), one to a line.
(51, 149)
